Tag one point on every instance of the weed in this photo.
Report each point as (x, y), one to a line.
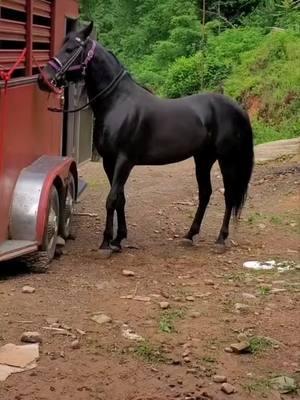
(209, 359)
(264, 290)
(261, 385)
(258, 344)
(236, 277)
(254, 218)
(167, 320)
(276, 220)
(150, 353)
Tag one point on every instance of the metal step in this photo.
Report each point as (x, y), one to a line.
(15, 248)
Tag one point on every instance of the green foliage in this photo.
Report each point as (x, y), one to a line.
(271, 74)
(247, 48)
(184, 76)
(208, 68)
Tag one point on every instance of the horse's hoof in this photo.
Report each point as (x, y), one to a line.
(220, 248)
(130, 245)
(104, 254)
(186, 242)
(115, 248)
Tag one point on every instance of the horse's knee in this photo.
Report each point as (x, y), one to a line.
(121, 201)
(111, 201)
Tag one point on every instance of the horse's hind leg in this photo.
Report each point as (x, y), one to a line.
(203, 168)
(228, 178)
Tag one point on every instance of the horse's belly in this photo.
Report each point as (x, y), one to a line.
(174, 148)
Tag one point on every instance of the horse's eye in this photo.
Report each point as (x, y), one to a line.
(69, 50)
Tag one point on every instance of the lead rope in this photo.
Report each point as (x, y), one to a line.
(102, 94)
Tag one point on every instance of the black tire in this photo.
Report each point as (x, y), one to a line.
(68, 208)
(52, 225)
(38, 262)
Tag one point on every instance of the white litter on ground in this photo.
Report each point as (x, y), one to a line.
(258, 265)
(268, 265)
(130, 334)
(14, 359)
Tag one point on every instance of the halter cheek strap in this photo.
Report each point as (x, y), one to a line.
(59, 68)
(90, 54)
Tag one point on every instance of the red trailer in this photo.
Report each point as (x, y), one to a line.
(39, 150)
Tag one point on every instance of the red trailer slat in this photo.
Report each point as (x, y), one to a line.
(41, 56)
(8, 57)
(12, 30)
(18, 5)
(42, 8)
(41, 34)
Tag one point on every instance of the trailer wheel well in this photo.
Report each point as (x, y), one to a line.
(60, 190)
(74, 172)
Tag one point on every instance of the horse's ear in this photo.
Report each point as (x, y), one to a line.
(85, 32)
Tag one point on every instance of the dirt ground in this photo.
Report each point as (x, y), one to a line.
(184, 345)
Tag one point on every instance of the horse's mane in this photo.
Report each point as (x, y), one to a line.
(129, 74)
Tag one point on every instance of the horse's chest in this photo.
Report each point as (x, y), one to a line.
(102, 141)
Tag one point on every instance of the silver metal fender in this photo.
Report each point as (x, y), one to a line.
(31, 194)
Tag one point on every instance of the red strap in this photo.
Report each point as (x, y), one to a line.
(6, 76)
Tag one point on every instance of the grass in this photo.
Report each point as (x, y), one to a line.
(264, 290)
(264, 385)
(254, 218)
(259, 344)
(150, 353)
(237, 277)
(208, 359)
(167, 320)
(282, 220)
(260, 385)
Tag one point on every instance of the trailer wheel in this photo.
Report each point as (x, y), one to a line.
(52, 225)
(68, 208)
(38, 262)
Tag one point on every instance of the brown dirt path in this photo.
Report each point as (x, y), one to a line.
(201, 286)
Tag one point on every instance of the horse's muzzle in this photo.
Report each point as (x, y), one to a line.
(44, 83)
(47, 84)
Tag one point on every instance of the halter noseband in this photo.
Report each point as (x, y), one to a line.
(61, 69)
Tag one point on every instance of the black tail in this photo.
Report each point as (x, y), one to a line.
(244, 164)
(236, 159)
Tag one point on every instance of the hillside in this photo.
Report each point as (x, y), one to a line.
(248, 49)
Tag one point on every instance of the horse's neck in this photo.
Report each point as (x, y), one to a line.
(101, 71)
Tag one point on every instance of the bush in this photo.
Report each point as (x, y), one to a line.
(209, 68)
(184, 76)
(271, 73)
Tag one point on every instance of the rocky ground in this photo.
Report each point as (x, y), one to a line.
(163, 321)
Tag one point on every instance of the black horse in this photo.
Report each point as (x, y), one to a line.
(135, 127)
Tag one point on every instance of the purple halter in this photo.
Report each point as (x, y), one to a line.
(61, 69)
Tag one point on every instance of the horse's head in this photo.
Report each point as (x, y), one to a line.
(70, 63)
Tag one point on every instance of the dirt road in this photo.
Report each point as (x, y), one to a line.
(211, 300)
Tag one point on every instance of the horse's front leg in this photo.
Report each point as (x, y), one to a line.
(122, 226)
(109, 167)
(121, 173)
